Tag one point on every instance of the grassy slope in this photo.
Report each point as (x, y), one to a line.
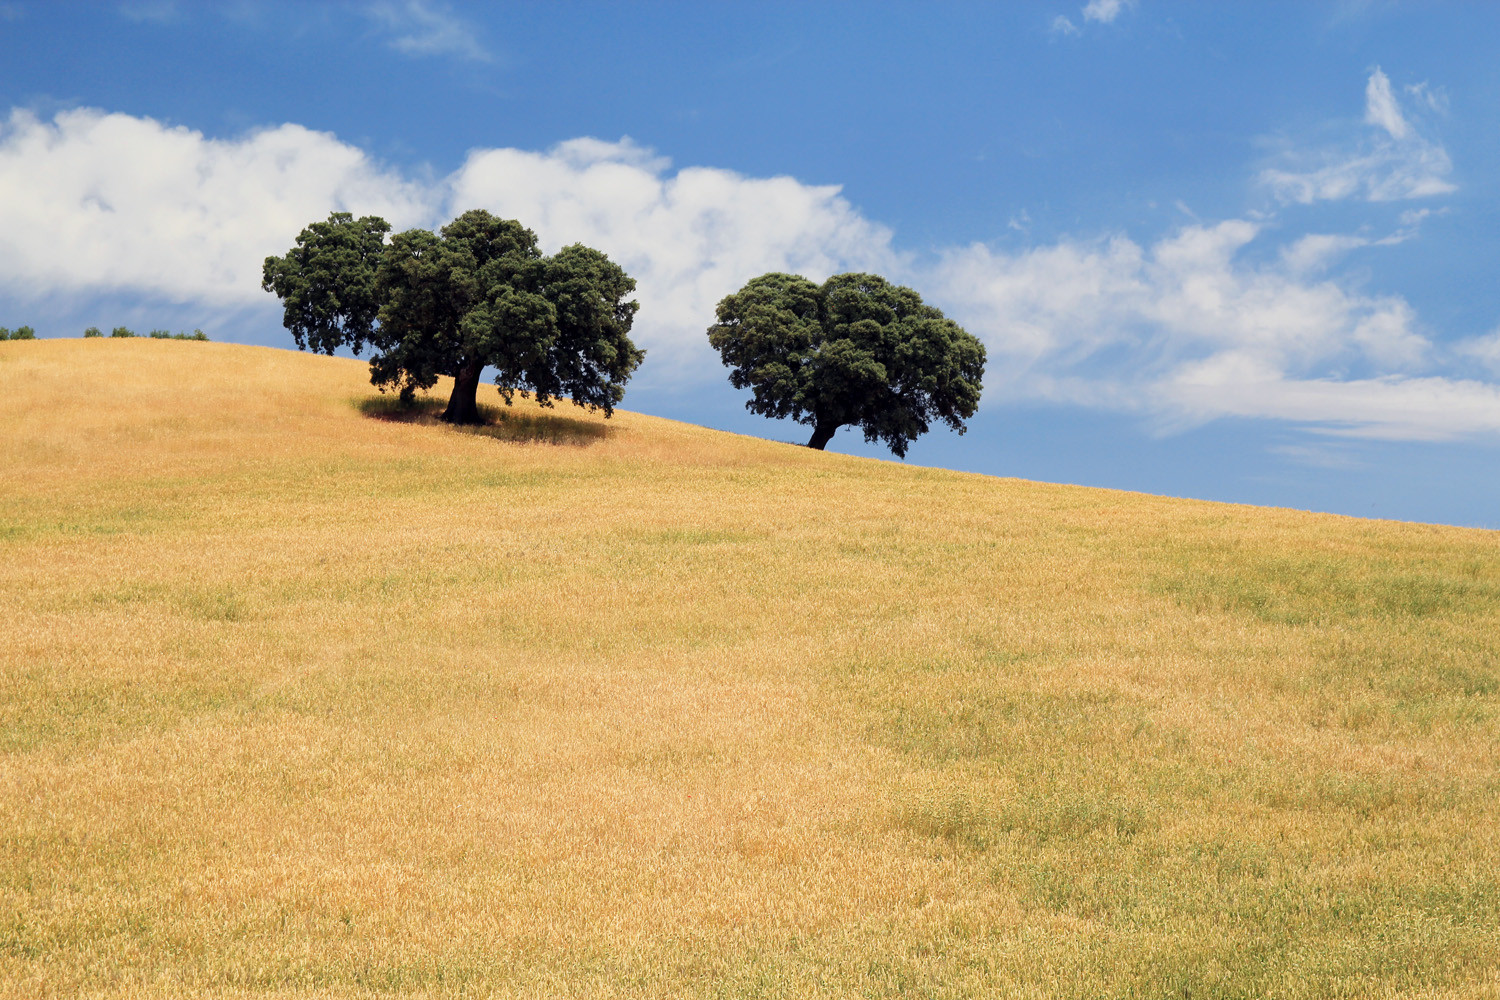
(293, 699)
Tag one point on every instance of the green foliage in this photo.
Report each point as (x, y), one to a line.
(326, 283)
(22, 333)
(168, 335)
(122, 331)
(93, 331)
(478, 294)
(856, 350)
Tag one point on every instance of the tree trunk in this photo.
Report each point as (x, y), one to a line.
(822, 434)
(462, 407)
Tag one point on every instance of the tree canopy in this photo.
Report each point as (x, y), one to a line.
(480, 293)
(856, 350)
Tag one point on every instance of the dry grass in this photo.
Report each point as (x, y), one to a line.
(298, 701)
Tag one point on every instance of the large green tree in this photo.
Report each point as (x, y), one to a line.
(855, 350)
(478, 294)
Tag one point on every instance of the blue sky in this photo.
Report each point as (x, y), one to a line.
(1241, 252)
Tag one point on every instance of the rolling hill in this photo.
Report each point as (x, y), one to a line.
(301, 694)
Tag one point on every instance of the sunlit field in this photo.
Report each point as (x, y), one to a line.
(300, 694)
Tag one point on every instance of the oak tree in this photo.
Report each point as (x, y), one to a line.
(477, 294)
(855, 350)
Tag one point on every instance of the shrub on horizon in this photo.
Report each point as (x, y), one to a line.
(121, 331)
(93, 331)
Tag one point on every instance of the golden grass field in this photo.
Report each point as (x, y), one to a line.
(299, 699)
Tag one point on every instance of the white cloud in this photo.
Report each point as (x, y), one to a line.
(1188, 293)
(1394, 164)
(1484, 350)
(1104, 11)
(689, 238)
(426, 28)
(1212, 320)
(1414, 217)
(1319, 455)
(1062, 26)
(1099, 11)
(1390, 407)
(155, 11)
(1381, 107)
(109, 201)
(1432, 98)
(1058, 302)
(1189, 329)
(1317, 251)
(104, 202)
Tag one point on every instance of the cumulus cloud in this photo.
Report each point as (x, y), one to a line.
(688, 237)
(109, 202)
(1189, 329)
(425, 28)
(1187, 293)
(1226, 319)
(1394, 163)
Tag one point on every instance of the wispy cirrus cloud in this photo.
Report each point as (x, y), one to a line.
(1097, 11)
(1482, 352)
(1105, 11)
(1392, 162)
(151, 11)
(427, 28)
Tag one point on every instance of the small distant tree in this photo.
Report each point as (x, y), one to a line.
(122, 331)
(477, 294)
(21, 333)
(855, 350)
(93, 331)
